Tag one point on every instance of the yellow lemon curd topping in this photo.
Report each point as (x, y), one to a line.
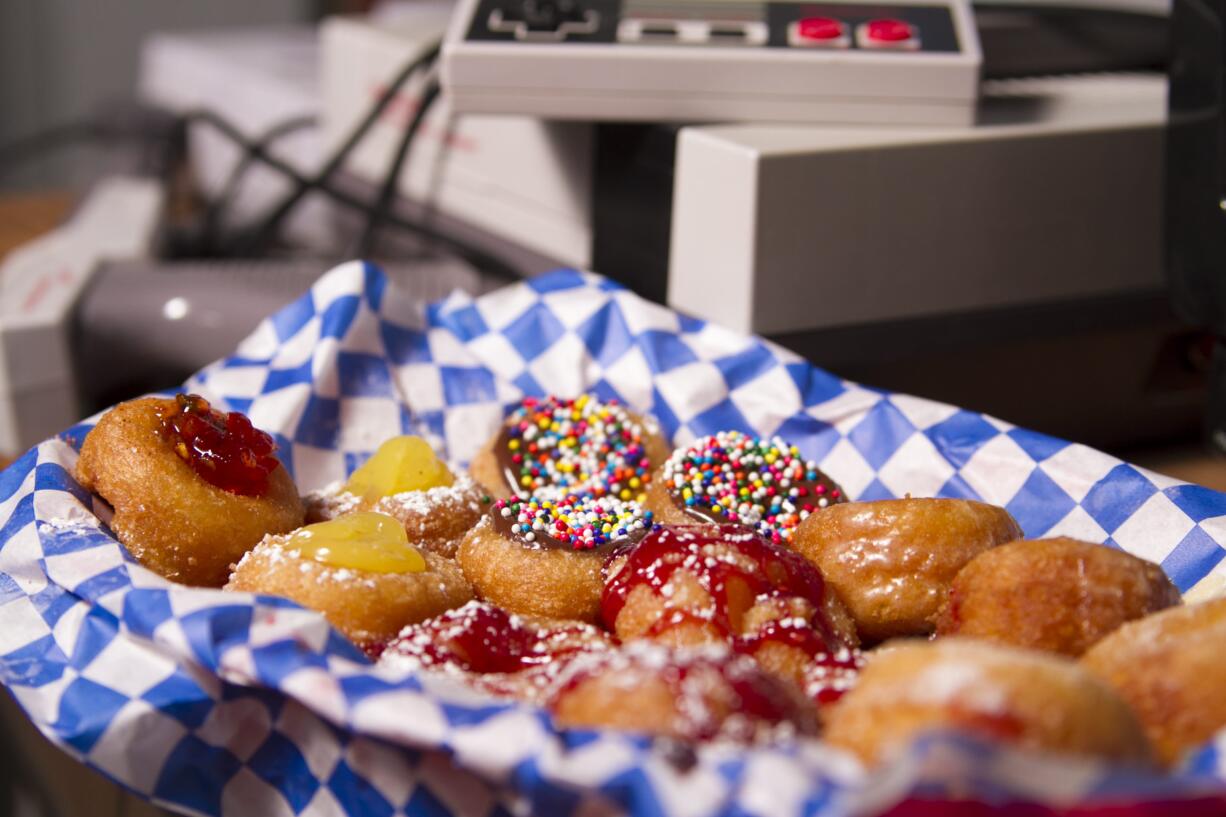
(360, 541)
(401, 464)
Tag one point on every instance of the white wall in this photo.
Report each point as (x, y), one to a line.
(62, 59)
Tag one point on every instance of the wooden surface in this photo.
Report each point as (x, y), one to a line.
(28, 215)
(1190, 462)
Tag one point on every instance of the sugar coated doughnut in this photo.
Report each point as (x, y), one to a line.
(1021, 697)
(551, 447)
(1171, 668)
(498, 652)
(192, 489)
(407, 480)
(690, 695)
(732, 477)
(891, 561)
(360, 571)
(1059, 595)
(543, 557)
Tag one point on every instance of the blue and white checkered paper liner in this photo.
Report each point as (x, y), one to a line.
(219, 703)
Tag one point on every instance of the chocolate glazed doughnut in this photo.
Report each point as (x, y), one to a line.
(552, 447)
(731, 477)
(543, 558)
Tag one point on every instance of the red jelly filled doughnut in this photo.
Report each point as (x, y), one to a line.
(702, 584)
(192, 489)
(551, 447)
(731, 477)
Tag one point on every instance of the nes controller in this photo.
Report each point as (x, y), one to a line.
(899, 62)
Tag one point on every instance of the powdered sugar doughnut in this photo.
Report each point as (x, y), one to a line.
(689, 695)
(1169, 667)
(1021, 697)
(369, 592)
(495, 651)
(435, 518)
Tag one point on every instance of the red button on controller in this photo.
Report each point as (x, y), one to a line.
(888, 31)
(819, 28)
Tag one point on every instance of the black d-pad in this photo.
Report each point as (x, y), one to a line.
(543, 19)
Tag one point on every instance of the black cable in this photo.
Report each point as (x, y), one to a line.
(387, 195)
(472, 254)
(215, 210)
(268, 227)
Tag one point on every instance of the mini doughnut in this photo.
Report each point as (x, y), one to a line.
(709, 584)
(543, 558)
(495, 651)
(688, 695)
(405, 479)
(192, 489)
(359, 571)
(731, 477)
(1170, 668)
(1059, 595)
(1022, 697)
(551, 447)
(891, 561)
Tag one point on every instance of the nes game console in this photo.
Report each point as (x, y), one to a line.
(913, 62)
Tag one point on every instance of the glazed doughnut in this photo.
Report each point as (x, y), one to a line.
(731, 477)
(688, 695)
(1021, 697)
(192, 489)
(543, 558)
(705, 584)
(495, 651)
(359, 571)
(891, 561)
(1059, 595)
(1169, 667)
(552, 447)
(405, 479)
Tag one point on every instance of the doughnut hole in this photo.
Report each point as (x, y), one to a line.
(1059, 595)
(1004, 694)
(1169, 667)
(891, 561)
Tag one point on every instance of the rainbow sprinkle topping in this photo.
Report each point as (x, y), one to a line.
(558, 447)
(762, 483)
(580, 523)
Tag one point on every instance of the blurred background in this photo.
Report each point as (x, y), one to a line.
(1014, 206)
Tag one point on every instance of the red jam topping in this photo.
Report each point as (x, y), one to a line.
(225, 450)
(482, 638)
(726, 560)
(830, 675)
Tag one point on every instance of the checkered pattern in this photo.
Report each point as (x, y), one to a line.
(215, 703)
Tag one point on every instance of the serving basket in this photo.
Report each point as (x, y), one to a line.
(213, 703)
